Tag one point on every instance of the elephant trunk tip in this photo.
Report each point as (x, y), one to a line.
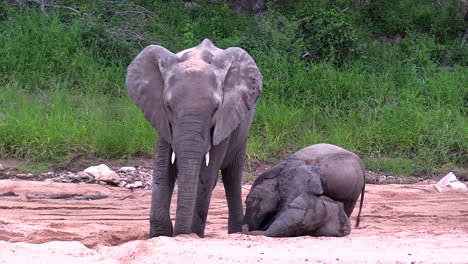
(245, 229)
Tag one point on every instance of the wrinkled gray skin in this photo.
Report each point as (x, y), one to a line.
(201, 101)
(313, 192)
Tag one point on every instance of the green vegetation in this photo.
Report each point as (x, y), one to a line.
(387, 81)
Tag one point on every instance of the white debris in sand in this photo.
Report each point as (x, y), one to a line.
(102, 173)
(449, 180)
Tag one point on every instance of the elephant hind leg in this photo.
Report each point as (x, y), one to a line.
(349, 207)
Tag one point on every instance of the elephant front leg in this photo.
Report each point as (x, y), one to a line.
(164, 175)
(232, 180)
(206, 183)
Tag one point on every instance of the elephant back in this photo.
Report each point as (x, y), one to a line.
(341, 171)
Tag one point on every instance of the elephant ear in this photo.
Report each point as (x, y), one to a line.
(241, 88)
(145, 85)
(312, 178)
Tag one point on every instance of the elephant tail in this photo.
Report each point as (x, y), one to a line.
(360, 205)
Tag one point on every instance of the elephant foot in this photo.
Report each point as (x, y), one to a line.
(233, 230)
(160, 231)
(154, 234)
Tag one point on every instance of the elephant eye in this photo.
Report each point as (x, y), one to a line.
(216, 108)
(168, 107)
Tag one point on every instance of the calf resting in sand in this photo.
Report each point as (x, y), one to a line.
(313, 192)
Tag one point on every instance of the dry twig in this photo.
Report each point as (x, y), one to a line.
(42, 5)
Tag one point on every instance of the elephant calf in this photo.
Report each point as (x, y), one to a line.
(313, 192)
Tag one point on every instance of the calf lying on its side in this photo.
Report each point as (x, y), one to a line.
(313, 192)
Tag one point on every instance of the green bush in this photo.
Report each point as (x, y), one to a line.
(105, 44)
(41, 53)
(444, 19)
(328, 33)
(62, 77)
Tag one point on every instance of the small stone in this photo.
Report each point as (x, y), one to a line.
(122, 184)
(8, 194)
(390, 178)
(23, 175)
(83, 175)
(67, 180)
(1, 167)
(127, 169)
(137, 184)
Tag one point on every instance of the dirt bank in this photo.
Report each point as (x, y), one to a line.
(47, 222)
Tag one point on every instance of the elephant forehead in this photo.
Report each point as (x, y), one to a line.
(194, 65)
(195, 60)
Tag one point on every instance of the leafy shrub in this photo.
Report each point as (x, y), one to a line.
(421, 50)
(328, 33)
(105, 43)
(3, 12)
(444, 18)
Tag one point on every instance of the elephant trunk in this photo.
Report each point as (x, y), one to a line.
(190, 150)
(251, 220)
(189, 168)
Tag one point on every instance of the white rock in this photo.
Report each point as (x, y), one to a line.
(1, 167)
(438, 188)
(136, 184)
(457, 185)
(83, 174)
(103, 173)
(451, 180)
(450, 177)
(127, 169)
(122, 184)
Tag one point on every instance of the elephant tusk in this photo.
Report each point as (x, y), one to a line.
(207, 158)
(173, 157)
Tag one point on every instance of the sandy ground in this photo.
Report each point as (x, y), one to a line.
(400, 224)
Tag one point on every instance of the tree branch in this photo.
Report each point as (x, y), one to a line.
(42, 5)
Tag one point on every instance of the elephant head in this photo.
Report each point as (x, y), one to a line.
(195, 99)
(263, 200)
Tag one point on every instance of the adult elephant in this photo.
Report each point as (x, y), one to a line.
(202, 102)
